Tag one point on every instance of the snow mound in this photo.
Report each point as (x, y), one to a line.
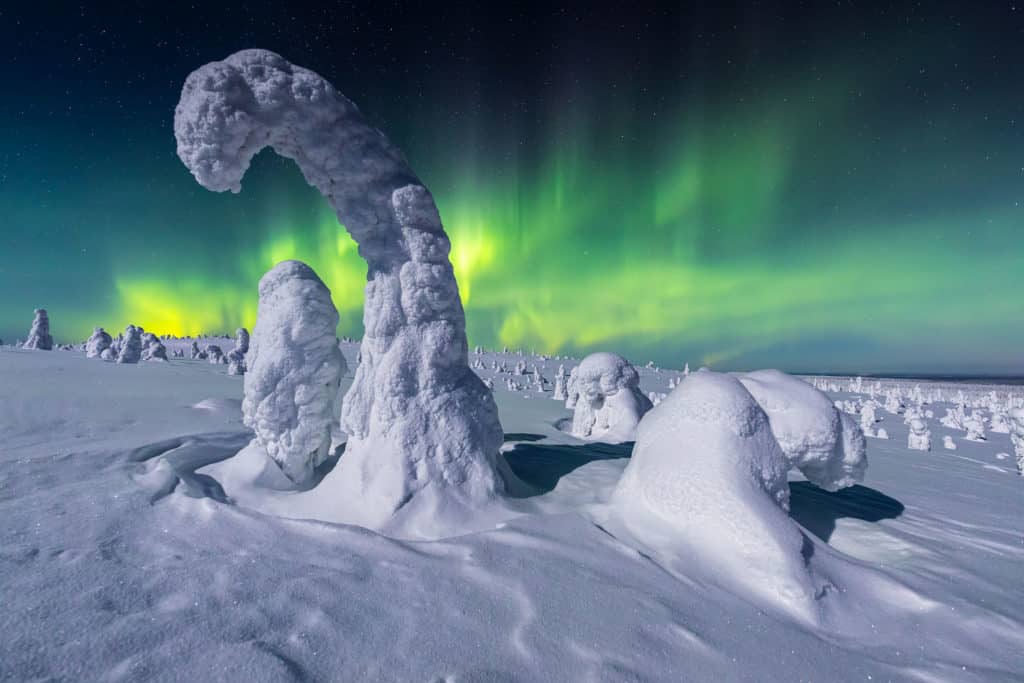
(707, 483)
(295, 369)
(417, 417)
(827, 446)
(39, 334)
(610, 402)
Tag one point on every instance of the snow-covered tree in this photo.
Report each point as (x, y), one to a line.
(920, 437)
(707, 480)
(948, 443)
(610, 402)
(826, 445)
(423, 430)
(295, 368)
(559, 392)
(130, 350)
(39, 334)
(99, 341)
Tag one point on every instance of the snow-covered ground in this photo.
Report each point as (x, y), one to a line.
(122, 557)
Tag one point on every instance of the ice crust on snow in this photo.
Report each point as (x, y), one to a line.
(418, 419)
(295, 369)
(609, 404)
(827, 446)
(39, 334)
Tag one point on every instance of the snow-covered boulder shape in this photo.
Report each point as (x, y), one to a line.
(295, 369)
(423, 430)
(130, 350)
(98, 342)
(707, 482)
(920, 437)
(610, 402)
(39, 334)
(948, 443)
(881, 434)
(827, 446)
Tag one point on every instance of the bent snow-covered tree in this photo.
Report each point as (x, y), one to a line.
(423, 429)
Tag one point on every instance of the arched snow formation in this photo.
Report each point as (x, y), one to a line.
(417, 417)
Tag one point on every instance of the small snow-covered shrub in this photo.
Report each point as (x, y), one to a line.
(610, 402)
(39, 334)
(948, 443)
(1017, 436)
(214, 354)
(295, 368)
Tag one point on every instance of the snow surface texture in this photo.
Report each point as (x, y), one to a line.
(423, 430)
(610, 403)
(295, 369)
(99, 341)
(39, 334)
(708, 477)
(825, 445)
(121, 558)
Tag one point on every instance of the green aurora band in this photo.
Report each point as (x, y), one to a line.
(744, 233)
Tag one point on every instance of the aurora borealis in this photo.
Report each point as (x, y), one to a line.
(743, 188)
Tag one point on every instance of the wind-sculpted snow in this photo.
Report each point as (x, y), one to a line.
(39, 334)
(417, 417)
(295, 369)
(825, 445)
(707, 481)
(610, 403)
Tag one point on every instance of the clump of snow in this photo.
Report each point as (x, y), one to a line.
(39, 334)
(708, 479)
(130, 348)
(920, 437)
(825, 445)
(610, 402)
(98, 342)
(419, 421)
(295, 369)
(948, 443)
(881, 433)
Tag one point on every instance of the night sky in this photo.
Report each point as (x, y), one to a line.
(814, 186)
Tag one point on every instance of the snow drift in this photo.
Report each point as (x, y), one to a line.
(417, 417)
(610, 402)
